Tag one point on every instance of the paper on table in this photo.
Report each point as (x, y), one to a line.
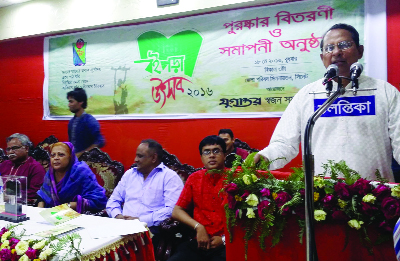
(59, 214)
(102, 227)
(57, 230)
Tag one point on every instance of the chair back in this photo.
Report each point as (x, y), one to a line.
(45, 144)
(229, 159)
(108, 172)
(172, 162)
(3, 156)
(243, 145)
(41, 155)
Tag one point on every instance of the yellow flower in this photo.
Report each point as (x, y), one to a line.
(37, 259)
(45, 254)
(318, 182)
(254, 177)
(319, 215)
(355, 224)
(316, 196)
(21, 247)
(24, 258)
(252, 200)
(250, 213)
(6, 244)
(396, 191)
(13, 251)
(342, 204)
(246, 179)
(39, 245)
(274, 195)
(238, 198)
(369, 198)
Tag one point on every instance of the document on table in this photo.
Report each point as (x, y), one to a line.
(59, 214)
(57, 230)
(102, 227)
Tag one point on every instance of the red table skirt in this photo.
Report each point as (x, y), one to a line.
(330, 240)
(138, 249)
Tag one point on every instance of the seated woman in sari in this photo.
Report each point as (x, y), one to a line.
(70, 181)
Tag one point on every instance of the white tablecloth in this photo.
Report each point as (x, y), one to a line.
(96, 232)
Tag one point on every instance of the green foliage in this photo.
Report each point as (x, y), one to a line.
(71, 241)
(334, 169)
(278, 232)
(379, 177)
(302, 225)
(268, 219)
(296, 200)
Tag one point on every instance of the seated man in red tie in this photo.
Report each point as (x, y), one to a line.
(201, 193)
(19, 163)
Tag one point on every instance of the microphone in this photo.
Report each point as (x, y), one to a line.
(331, 72)
(355, 72)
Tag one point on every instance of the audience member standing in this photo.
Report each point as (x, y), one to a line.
(83, 129)
(21, 164)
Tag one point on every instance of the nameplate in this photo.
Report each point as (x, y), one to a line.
(348, 106)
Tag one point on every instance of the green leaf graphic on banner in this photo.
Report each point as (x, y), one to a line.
(162, 52)
(53, 213)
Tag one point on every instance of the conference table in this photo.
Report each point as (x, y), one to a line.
(103, 238)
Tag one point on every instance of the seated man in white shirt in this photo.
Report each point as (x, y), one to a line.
(147, 192)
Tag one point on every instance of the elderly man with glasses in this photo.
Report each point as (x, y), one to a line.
(361, 129)
(19, 163)
(201, 194)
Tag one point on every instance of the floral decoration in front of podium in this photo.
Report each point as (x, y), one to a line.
(261, 203)
(14, 246)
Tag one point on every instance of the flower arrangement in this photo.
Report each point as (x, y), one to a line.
(13, 248)
(260, 202)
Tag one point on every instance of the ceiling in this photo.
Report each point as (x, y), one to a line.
(4, 3)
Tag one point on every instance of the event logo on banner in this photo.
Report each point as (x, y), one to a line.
(240, 63)
(176, 54)
(79, 52)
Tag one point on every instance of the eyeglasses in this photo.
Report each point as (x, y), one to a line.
(343, 45)
(214, 151)
(13, 148)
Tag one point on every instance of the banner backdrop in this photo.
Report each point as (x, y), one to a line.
(239, 63)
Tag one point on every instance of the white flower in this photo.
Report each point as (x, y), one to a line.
(369, 198)
(21, 247)
(250, 213)
(39, 245)
(24, 258)
(246, 179)
(319, 215)
(396, 191)
(355, 224)
(6, 244)
(252, 200)
(5, 236)
(45, 254)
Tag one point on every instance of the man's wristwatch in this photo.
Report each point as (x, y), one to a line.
(223, 239)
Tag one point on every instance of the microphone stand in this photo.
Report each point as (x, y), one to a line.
(309, 171)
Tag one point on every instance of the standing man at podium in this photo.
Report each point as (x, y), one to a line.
(361, 129)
